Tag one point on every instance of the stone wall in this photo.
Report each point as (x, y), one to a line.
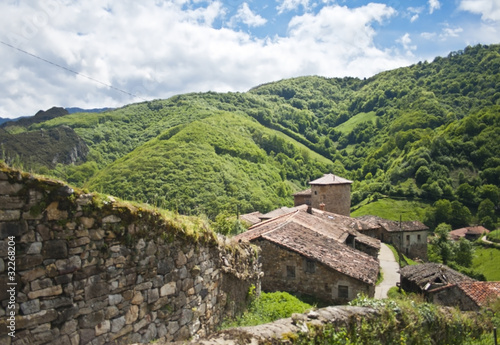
(316, 280)
(336, 197)
(91, 270)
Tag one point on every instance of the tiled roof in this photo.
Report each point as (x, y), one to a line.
(277, 212)
(328, 179)
(481, 293)
(306, 192)
(319, 237)
(394, 226)
(251, 218)
(471, 230)
(326, 250)
(432, 275)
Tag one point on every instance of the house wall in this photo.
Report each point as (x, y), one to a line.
(91, 274)
(323, 283)
(336, 197)
(453, 297)
(413, 245)
(301, 200)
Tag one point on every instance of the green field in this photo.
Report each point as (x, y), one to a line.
(349, 125)
(486, 261)
(392, 209)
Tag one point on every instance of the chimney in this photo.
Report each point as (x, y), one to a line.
(309, 207)
(322, 206)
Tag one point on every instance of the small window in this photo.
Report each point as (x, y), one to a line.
(315, 192)
(418, 238)
(407, 237)
(343, 292)
(290, 272)
(310, 266)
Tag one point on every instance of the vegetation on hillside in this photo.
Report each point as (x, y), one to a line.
(428, 132)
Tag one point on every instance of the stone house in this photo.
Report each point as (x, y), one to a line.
(409, 237)
(330, 193)
(471, 233)
(426, 277)
(466, 295)
(305, 252)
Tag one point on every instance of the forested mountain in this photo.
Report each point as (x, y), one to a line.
(428, 132)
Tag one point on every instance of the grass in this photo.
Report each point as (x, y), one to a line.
(392, 209)
(494, 236)
(486, 262)
(269, 307)
(349, 125)
(406, 260)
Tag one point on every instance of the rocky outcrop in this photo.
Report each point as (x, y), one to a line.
(91, 270)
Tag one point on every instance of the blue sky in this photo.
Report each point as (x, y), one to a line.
(108, 54)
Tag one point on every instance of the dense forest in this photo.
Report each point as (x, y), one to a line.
(428, 133)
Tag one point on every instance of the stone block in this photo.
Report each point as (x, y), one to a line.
(111, 219)
(55, 303)
(91, 320)
(47, 292)
(32, 320)
(8, 202)
(79, 242)
(28, 276)
(96, 290)
(69, 327)
(34, 248)
(86, 335)
(11, 228)
(87, 222)
(117, 324)
(138, 298)
(41, 284)
(53, 212)
(30, 307)
(28, 262)
(70, 265)
(115, 299)
(103, 328)
(7, 188)
(153, 295)
(125, 330)
(111, 312)
(168, 289)
(55, 249)
(132, 314)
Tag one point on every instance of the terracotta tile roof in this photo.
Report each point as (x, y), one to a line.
(482, 293)
(471, 230)
(430, 276)
(328, 179)
(320, 238)
(394, 226)
(277, 212)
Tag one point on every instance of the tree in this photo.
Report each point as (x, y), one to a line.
(422, 174)
(466, 194)
(460, 215)
(464, 253)
(486, 214)
(441, 242)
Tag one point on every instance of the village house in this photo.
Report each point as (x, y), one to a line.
(306, 252)
(409, 237)
(426, 277)
(330, 193)
(467, 295)
(471, 233)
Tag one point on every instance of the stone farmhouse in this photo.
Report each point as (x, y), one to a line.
(330, 193)
(470, 296)
(470, 233)
(306, 251)
(442, 285)
(409, 237)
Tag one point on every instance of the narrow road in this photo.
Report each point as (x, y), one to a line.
(390, 270)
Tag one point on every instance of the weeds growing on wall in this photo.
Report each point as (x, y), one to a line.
(405, 321)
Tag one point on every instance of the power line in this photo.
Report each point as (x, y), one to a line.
(72, 71)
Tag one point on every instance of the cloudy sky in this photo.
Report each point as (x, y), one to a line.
(96, 53)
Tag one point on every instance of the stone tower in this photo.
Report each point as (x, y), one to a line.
(331, 193)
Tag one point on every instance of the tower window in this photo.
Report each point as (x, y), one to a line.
(290, 272)
(343, 291)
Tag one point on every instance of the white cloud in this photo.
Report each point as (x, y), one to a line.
(488, 9)
(246, 16)
(291, 5)
(449, 32)
(434, 5)
(405, 41)
(157, 49)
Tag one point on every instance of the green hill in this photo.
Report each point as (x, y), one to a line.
(428, 133)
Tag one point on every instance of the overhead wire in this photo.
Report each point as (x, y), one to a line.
(71, 71)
